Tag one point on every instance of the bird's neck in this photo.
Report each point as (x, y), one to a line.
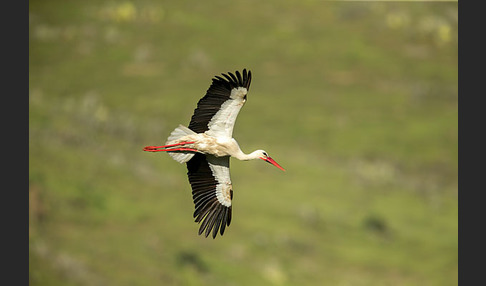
(245, 157)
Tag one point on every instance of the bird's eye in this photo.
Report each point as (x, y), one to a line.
(265, 154)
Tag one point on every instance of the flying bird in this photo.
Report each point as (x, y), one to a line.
(206, 146)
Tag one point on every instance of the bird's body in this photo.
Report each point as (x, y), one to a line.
(206, 146)
(209, 145)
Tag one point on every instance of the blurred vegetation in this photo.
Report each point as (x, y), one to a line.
(357, 100)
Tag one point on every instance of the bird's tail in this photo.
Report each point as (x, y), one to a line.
(179, 132)
(178, 147)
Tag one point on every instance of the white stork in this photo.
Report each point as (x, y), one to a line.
(206, 146)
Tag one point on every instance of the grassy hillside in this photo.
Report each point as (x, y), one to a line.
(358, 101)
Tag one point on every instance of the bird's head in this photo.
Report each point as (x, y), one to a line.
(264, 156)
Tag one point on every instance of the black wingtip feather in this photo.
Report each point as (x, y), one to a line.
(240, 80)
(235, 80)
(229, 79)
(215, 218)
(224, 221)
(212, 220)
(217, 222)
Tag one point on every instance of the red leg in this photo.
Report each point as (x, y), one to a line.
(154, 148)
(174, 150)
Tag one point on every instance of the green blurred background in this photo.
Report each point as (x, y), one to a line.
(357, 100)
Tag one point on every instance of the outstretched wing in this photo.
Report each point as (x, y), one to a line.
(216, 112)
(211, 191)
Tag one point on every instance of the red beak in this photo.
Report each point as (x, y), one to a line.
(271, 161)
